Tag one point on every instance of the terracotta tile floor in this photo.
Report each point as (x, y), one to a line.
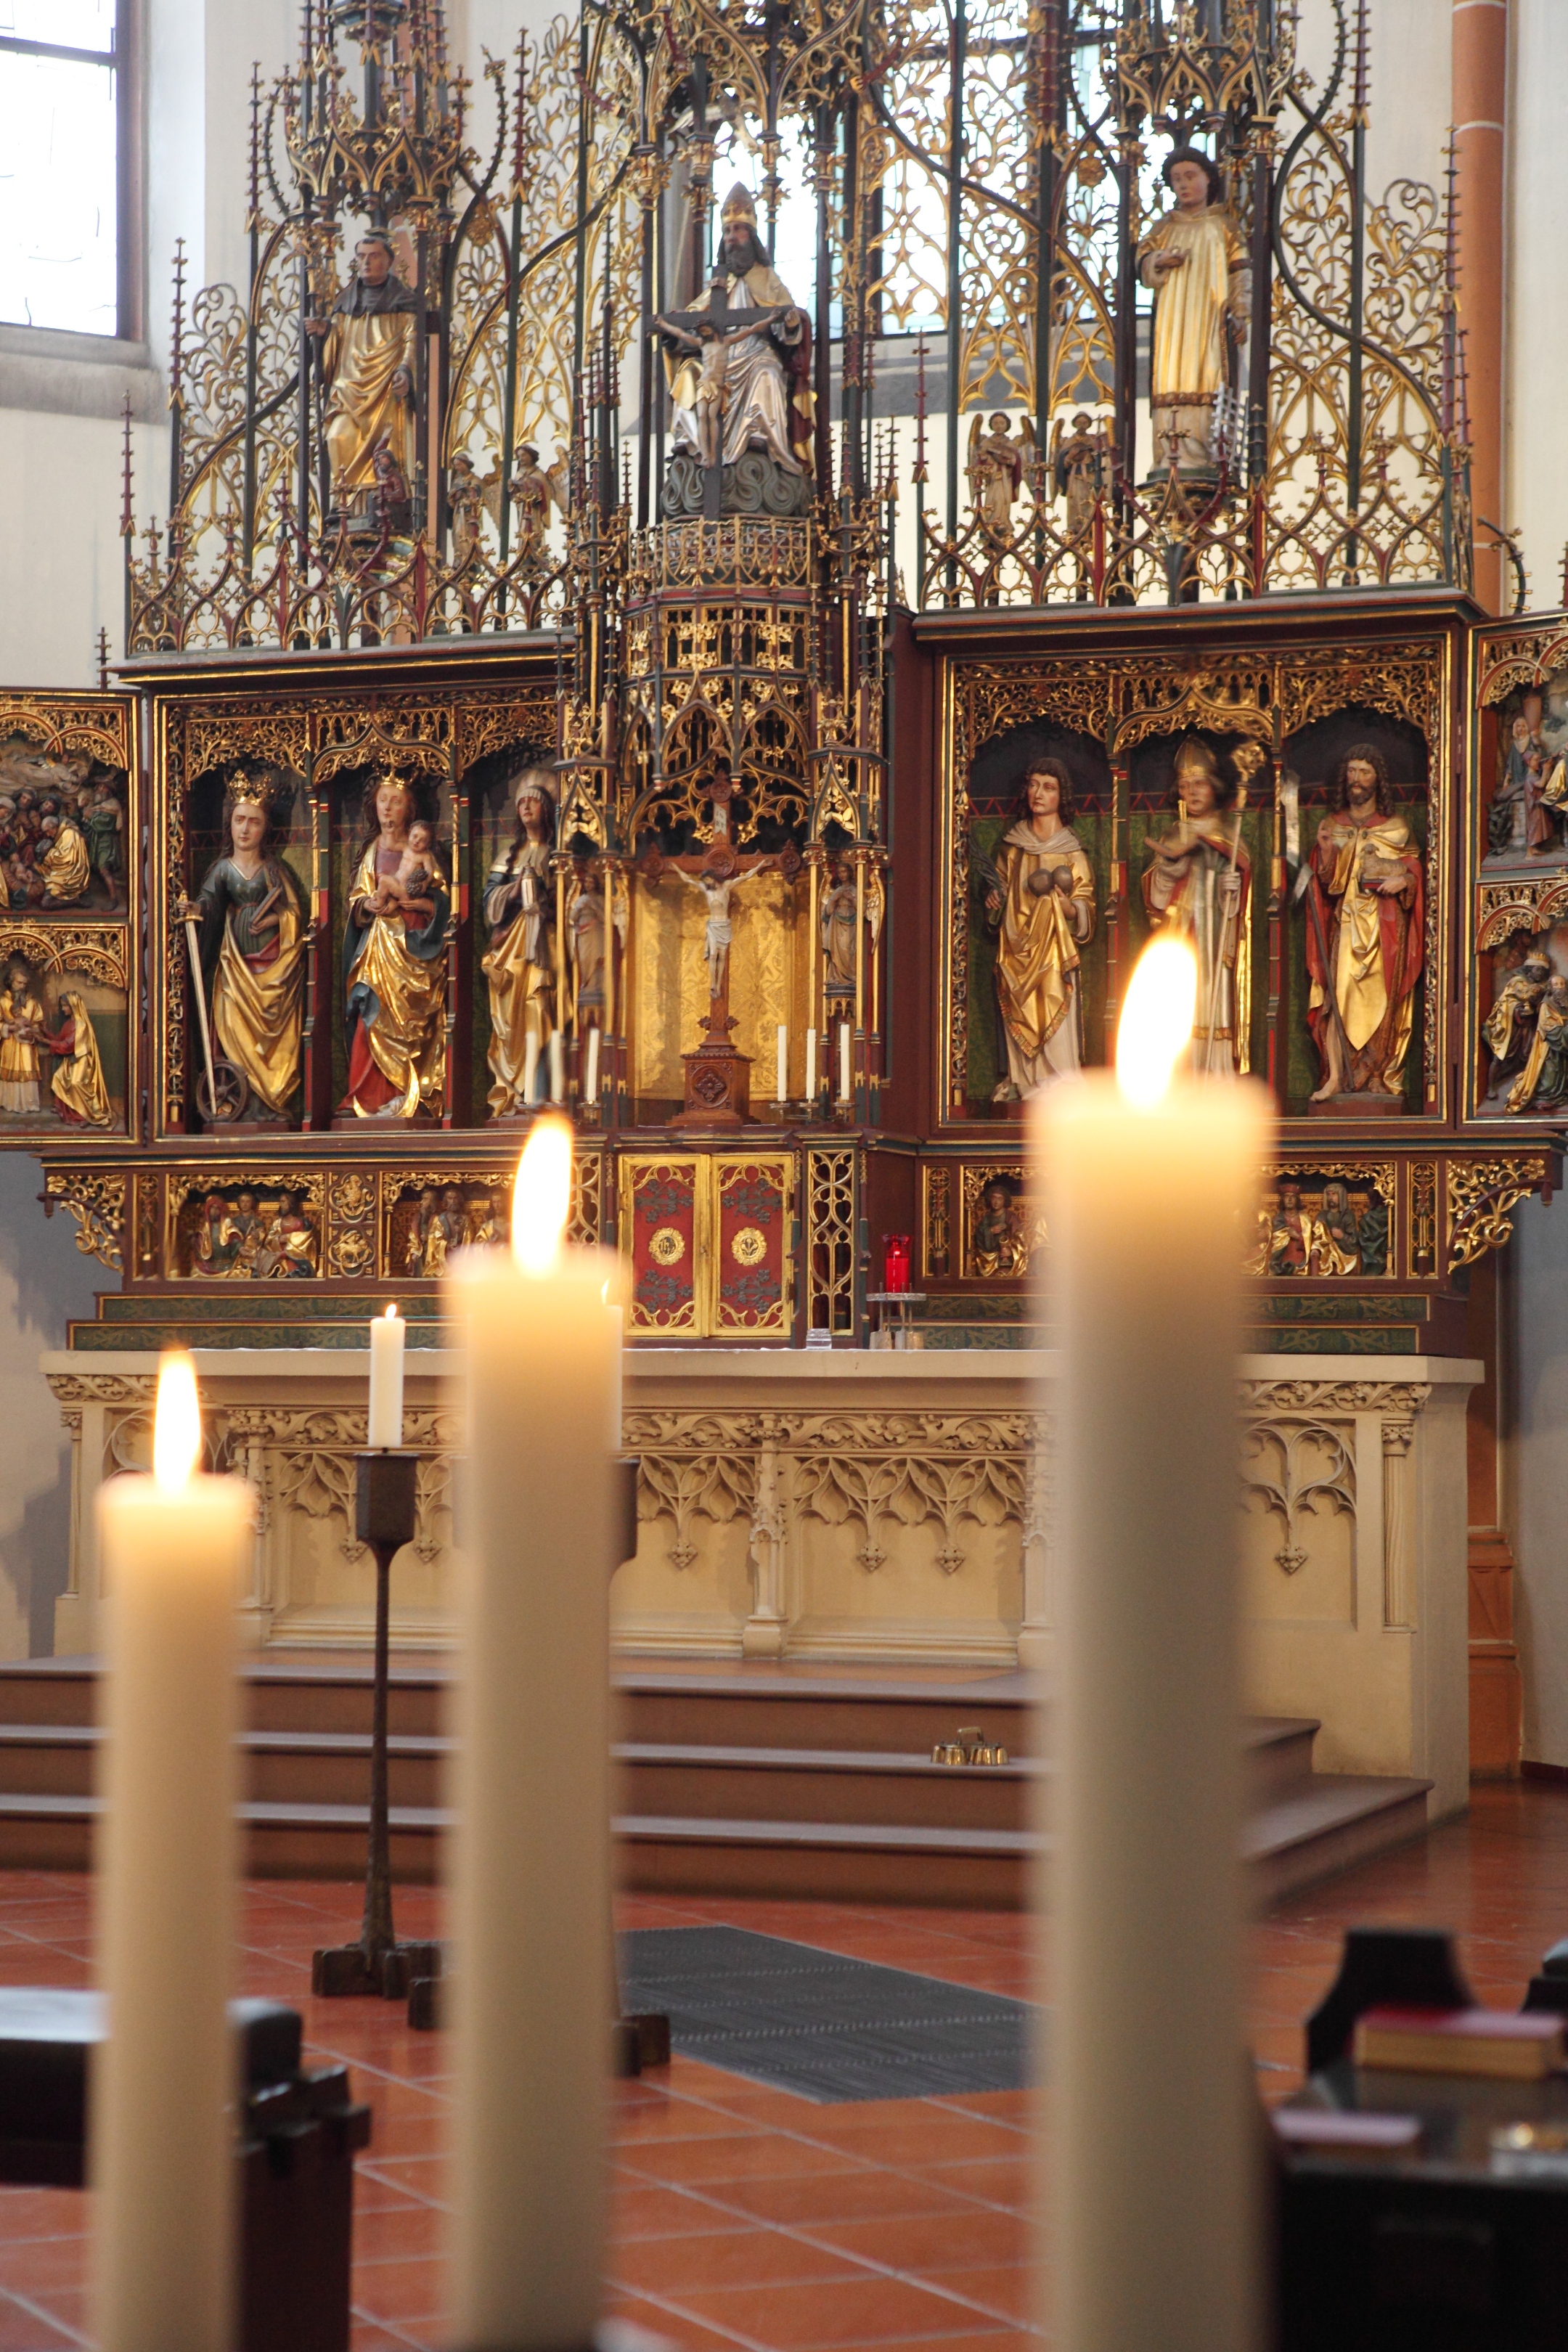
(744, 2217)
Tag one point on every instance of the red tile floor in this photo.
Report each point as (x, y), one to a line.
(745, 2217)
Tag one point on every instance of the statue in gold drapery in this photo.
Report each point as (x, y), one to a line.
(253, 931)
(1198, 882)
(1193, 261)
(81, 1098)
(395, 971)
(519, 967)
(767, 402)
(367, 350)
(64, 863)
(1040, 903)
(1366, 933)
(21, 1035)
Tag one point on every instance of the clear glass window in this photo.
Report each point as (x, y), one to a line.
(60, 226)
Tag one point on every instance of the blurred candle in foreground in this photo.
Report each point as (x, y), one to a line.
(845, 1088)
(781, 1072)
(532, 1967)
(590, 1075)
(811, 1066)
(387, 1333)
(1149, 1181)
(173, 1549)
(557, 1066)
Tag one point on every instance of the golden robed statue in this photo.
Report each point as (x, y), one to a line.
(763, 397)
(367, 360)
(81, 1098)
(395, 965)
(1193, 261)
(1039, 900)
(520, 967)
(253, 931)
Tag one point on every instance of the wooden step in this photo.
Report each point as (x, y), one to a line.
(765, 1778)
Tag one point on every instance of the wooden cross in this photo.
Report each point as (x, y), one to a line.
(720, 316)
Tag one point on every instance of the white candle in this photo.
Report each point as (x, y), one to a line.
(1152, 2194)
(591, 1082)
(811, 1066)
(845, 1088)
(531, 1969)
(530, 1066)
(385, 1426)
(781, 1082)
(173, 1549)
(557, 1066)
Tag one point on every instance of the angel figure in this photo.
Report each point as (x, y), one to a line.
(534, 489)
(469, 496)
(1077, 469)
(996, 464)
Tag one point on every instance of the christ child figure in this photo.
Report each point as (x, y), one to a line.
(406, 892)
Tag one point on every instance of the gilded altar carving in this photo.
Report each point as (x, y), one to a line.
(936, 1218)
(96, 1202)
(1003, 1231)
(1480, 1194)
(63, 725)
(1326, 1217)
(263, 1228)
(352, 1202)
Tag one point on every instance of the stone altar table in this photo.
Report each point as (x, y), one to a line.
(874, 1506)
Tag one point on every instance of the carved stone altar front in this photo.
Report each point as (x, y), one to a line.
(876, 1507)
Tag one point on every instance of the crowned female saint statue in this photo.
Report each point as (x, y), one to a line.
(1197, 884)
(367, 350)
(1039, 900)
(395, 964)
(1193, 261)
(252, 932)
(520, 966)
(763, 390)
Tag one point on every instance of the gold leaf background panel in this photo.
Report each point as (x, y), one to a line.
(769, 964)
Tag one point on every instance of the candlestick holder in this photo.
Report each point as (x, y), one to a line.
(384, 1484)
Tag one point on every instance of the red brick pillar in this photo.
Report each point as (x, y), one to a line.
(1480, 102)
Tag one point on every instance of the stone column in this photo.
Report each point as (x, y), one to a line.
(1479, 52)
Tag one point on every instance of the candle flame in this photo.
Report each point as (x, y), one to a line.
(1156, 1024)
(541, 1196)
(177, 1423)
(391, 1315)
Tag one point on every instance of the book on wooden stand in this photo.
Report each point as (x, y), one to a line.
(1481, 2041)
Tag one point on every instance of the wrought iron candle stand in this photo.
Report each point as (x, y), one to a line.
(384, 1484)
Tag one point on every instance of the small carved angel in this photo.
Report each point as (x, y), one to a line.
(534, 489)
(1077, 469)
(996, 466)
(469, 495)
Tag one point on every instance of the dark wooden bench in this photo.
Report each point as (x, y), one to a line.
(299, 2131)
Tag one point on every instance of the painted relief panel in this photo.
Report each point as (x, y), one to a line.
(269, 1230)
(1522, 904)
(1325, 1220)
(65, 1030)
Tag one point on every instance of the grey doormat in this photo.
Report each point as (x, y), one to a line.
(819, 2025)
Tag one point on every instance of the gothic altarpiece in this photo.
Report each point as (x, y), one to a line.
(737, 609)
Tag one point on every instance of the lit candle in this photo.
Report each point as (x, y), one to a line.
(811, 1066)
(530, 1066)
(557, 1066)
(780, 1083)
(845, 1088)
(173, 1549)
(591, 1081)
(530, 1902)
(385, 1426)
(1149, 1184)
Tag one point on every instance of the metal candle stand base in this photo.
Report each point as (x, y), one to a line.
(378, 1964)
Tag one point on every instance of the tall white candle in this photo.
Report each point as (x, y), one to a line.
(1152, 2193)
(530, 1066)
(781, 1080)
(591, 1077)
(531, 1968)
(845, 1088)
(385, 1425)
(557, 1066)
(811, 1066)
(173, 1549)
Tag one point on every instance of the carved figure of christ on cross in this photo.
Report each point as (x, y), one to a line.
(710, 335)
(718, 874)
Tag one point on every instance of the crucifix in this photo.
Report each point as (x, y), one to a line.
(709, 335)
(718, 1078)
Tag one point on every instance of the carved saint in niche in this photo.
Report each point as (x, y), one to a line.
(1078, 466)
(395, 963)
(21, 1042)
(1509, 1029)
(367, 360)
(1294, 1240)
(1039, 900)
(81, 1098)
(1365, 934)
(996, 464)
(252, 931)
(1193, 261)
(1001, 1243)
(1543, 1085)
(1197, 883)
(520, 967)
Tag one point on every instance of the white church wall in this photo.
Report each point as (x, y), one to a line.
(1536, 202)
(1540, 1474)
